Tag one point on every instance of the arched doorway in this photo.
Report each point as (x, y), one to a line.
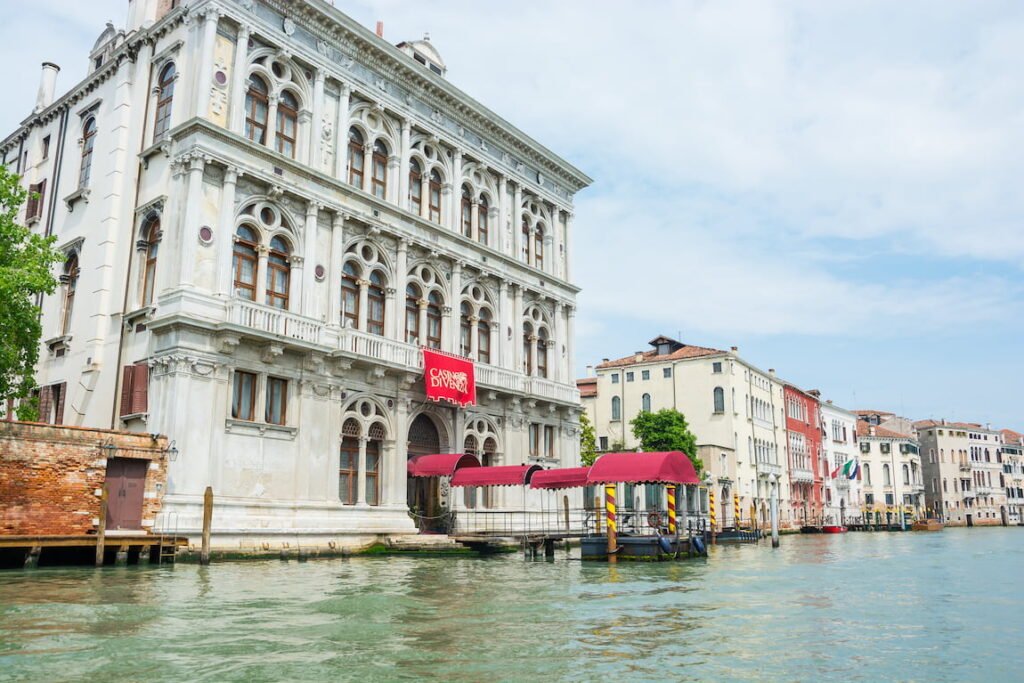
(423, 493)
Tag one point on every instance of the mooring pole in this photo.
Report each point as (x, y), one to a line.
(753, 516)
(671, 492)
(101, 531)
(565, 506)
(774, 498)
(204, 555)
(609, 505)
(736, 510)
(711, 512)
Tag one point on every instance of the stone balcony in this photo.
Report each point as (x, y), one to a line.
(843, 484)
(985, 490)
(801, 475)
(235, 319)
(766, 469)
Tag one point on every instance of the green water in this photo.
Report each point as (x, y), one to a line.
(861, 606)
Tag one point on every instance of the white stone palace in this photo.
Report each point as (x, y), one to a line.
(266, 211)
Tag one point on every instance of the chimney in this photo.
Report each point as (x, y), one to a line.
(815, 393)
(638, 356)
(735, 350)
(47, 84)
(771, 371)
(590, 371)
(871, 430)
(604, 360)
(380, 29)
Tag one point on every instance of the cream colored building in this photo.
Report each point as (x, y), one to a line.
(1013, 474)
(963, 464)
(890, 470)
(735, 409)
(843, 496)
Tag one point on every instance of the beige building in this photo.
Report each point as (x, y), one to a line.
(890, 469)
(1013, 474)
(735, 410)
(963, 464)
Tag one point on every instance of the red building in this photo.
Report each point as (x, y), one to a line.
(803, 446)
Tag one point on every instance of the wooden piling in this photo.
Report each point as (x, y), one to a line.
(565, 506)
(609, 498)
(204, 556)
(32, 557)
(101, 530)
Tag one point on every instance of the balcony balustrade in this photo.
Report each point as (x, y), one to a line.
(801, 475)
(769, 469)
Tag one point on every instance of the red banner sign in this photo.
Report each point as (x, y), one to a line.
(449, 378)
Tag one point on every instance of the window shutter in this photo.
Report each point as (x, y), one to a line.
(45, 404)
(126, 390)
(32, 208)
(140, 388)
(58, 414)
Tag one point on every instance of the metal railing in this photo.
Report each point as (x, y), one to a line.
(574, 522)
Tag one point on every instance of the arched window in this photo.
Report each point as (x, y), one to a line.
(278, 272)
(645, 403)
(88, 143)
(435, 197)
(257, 110)
(482, 222)
(616, 408)
(412, 314)
(349, 296)
(70, 278)
(886, 478)
(906, 475)
(375, 303)
(348, 468)
(245, 263)
(467, 212)
(152, 237)
(356, 156)
(287, 123)
(866, 470)
(373, 466)
(526, 242)
(719, 400)
(415, 187)
(434, 320)
(165, 95)
(380, 170)
(542, 353)
(465, 328)
(538, 248)
(527, 348)
(483, 337)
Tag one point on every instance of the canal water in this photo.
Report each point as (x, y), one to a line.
(860, 606)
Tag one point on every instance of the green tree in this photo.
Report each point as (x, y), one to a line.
(588, 442)
(666, 430)
(26, 262)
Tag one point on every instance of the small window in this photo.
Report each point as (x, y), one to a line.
(88, 143)
(277, 400)
(645, 403)
(666, 372)
(46, 147)
(165, 96)
(716, 367)
(257, 110)
(603, 443)
(615, 378)
(243, 399)
(645, 374)
(616, 408)
(630, 376)
(719, 396)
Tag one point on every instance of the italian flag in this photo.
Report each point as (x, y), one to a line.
(849, 469)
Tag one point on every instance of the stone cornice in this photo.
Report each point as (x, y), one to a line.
(333, 28)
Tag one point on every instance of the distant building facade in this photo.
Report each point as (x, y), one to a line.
(803, 446)
(963, 464)
(843, 494)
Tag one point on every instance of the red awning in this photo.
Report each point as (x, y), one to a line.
(564, 478)
(671, 467)
(440, 464)
(507, 475)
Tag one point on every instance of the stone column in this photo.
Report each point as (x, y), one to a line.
(501, 350)
(423, 304)
(399, 482)
(517, 328)
(204, 74)
(361, 479)
(390, 324)
(225, 242)
(392, 188)
(568, 246)
(452, 319)
(557, 369)
(401, 277)
(570, 343)
(474, 335)
(189, 230)
(454, 205)
(517, 223)
(557, 250)
(260, 296)
(403, 166)
(474, 221)
(367, 167)
(534, 363)
(341, 138)
(313, 157)
(425, 196)
(502, 244)
(239, 81)
(334, 269)
(363, 303)
(272, 122)
(309, 256)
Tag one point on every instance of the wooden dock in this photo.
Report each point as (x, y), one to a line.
(88, 549)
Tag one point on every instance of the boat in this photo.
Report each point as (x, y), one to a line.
(833, 529)
(930, 524)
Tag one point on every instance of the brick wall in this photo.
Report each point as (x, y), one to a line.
(50, 476)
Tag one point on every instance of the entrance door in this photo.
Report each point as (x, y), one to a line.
(423, 493)
(126, 482)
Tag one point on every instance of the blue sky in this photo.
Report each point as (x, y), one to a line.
(832, 187)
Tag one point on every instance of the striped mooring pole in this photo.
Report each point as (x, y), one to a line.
(711, 511)
(671, 494)
(609, 509)
(736, 510)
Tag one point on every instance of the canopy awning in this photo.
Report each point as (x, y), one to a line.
(563, 478)
(506, 475)
(440, 464)
(671, 467)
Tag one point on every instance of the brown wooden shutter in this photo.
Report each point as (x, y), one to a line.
(60, 394)
(126, 390)
(140, 388)
(32, 208)
(45, 404)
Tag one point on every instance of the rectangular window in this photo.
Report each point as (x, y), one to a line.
(36, 194)
(645, 374)
(716, 367)
(373, 472)
(348, 470)
(630, 376)
(615, 378)
(549, 442)
(889, 498)
(46, 147)
(277, 400)
(534, 441)
(666, 372)
(243, 398)
(869, 499)
(604, 443)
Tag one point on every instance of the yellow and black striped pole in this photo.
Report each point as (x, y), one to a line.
(711, 511)
(609, 509)
(736, 510)
(671, 491)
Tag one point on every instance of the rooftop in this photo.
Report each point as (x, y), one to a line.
(865, 429)
(665, 349)
(587, 386)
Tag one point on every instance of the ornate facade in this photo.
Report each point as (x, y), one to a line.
(267, 210)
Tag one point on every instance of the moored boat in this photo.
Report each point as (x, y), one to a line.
(833, 529)
(930, 524)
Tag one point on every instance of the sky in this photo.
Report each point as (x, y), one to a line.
(832, 187)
